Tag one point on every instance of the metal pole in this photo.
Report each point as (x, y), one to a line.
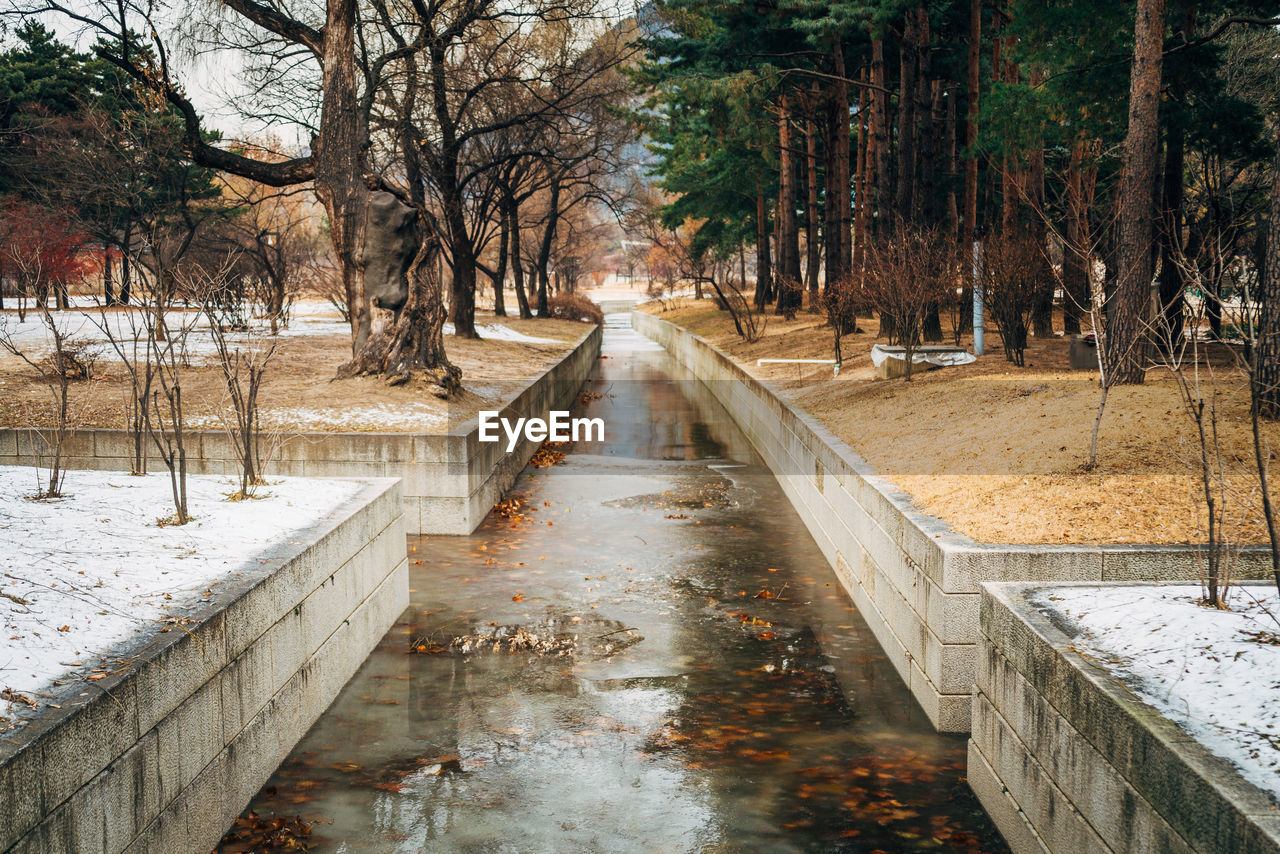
(977, 292)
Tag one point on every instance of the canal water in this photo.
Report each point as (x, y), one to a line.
(643, 651)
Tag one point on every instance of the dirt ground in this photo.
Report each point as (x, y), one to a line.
(1001, 452)
(299, 392)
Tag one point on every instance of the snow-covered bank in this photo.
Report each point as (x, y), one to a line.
(1215, 673)
(95, 328)
(81, 574)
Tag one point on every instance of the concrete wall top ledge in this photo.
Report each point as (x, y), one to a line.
(110, 716)
(470, 429)
(1201, 796)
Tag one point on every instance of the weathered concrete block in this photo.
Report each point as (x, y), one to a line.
(1055, 726)
(8, 444)
(1004, 811)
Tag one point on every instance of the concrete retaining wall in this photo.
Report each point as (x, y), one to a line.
(618, 305)
(450, 481)
(1066, 760)
(164, 756)
(915, 580)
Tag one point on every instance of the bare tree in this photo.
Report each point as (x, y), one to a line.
(243, 364)
(909, 271)
(69, 360)
(843, 299)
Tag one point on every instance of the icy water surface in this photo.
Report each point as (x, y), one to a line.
(648, 654)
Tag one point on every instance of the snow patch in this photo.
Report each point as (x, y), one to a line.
(82, 574)
(499, 332)
(1214, 673)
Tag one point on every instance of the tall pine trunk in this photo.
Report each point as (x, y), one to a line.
(764, 263)
(1267, 373)
(838, 227)
(882, 200)
(862, 181)
(1077, 254)
(789, 283)
(811, 245)
(1130, 314)
(1042, 312)
(971, 124)
(907, 67)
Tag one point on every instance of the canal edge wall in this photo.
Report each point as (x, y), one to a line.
(1066, 759)
(165, 755)
(914, 579)
(450, 481)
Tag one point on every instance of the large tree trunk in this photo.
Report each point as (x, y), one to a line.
(789, 285)
(1267, 373)
(971, 125)
(384, 245)
(544, 250)
(883, 197)
(839, 204)
(764, 263)
(517, 263)
(811, 247)
(339, 157)
(1129, 315)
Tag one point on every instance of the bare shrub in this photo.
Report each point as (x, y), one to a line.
(843, 299)
(749, 323)
(325, 281)
(909, 272)
(56, 373)
(569, 306)
(74, 360)
(1014, 276)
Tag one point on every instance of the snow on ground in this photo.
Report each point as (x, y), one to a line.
(1215, 673)
(81, 574)
(96, 328)
(498, 332)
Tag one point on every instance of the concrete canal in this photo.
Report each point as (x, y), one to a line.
(643, 652)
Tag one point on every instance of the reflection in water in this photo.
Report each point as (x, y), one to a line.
(653, 657)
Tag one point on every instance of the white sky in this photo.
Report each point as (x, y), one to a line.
(212, 81)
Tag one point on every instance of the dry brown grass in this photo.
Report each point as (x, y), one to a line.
(999, 452)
